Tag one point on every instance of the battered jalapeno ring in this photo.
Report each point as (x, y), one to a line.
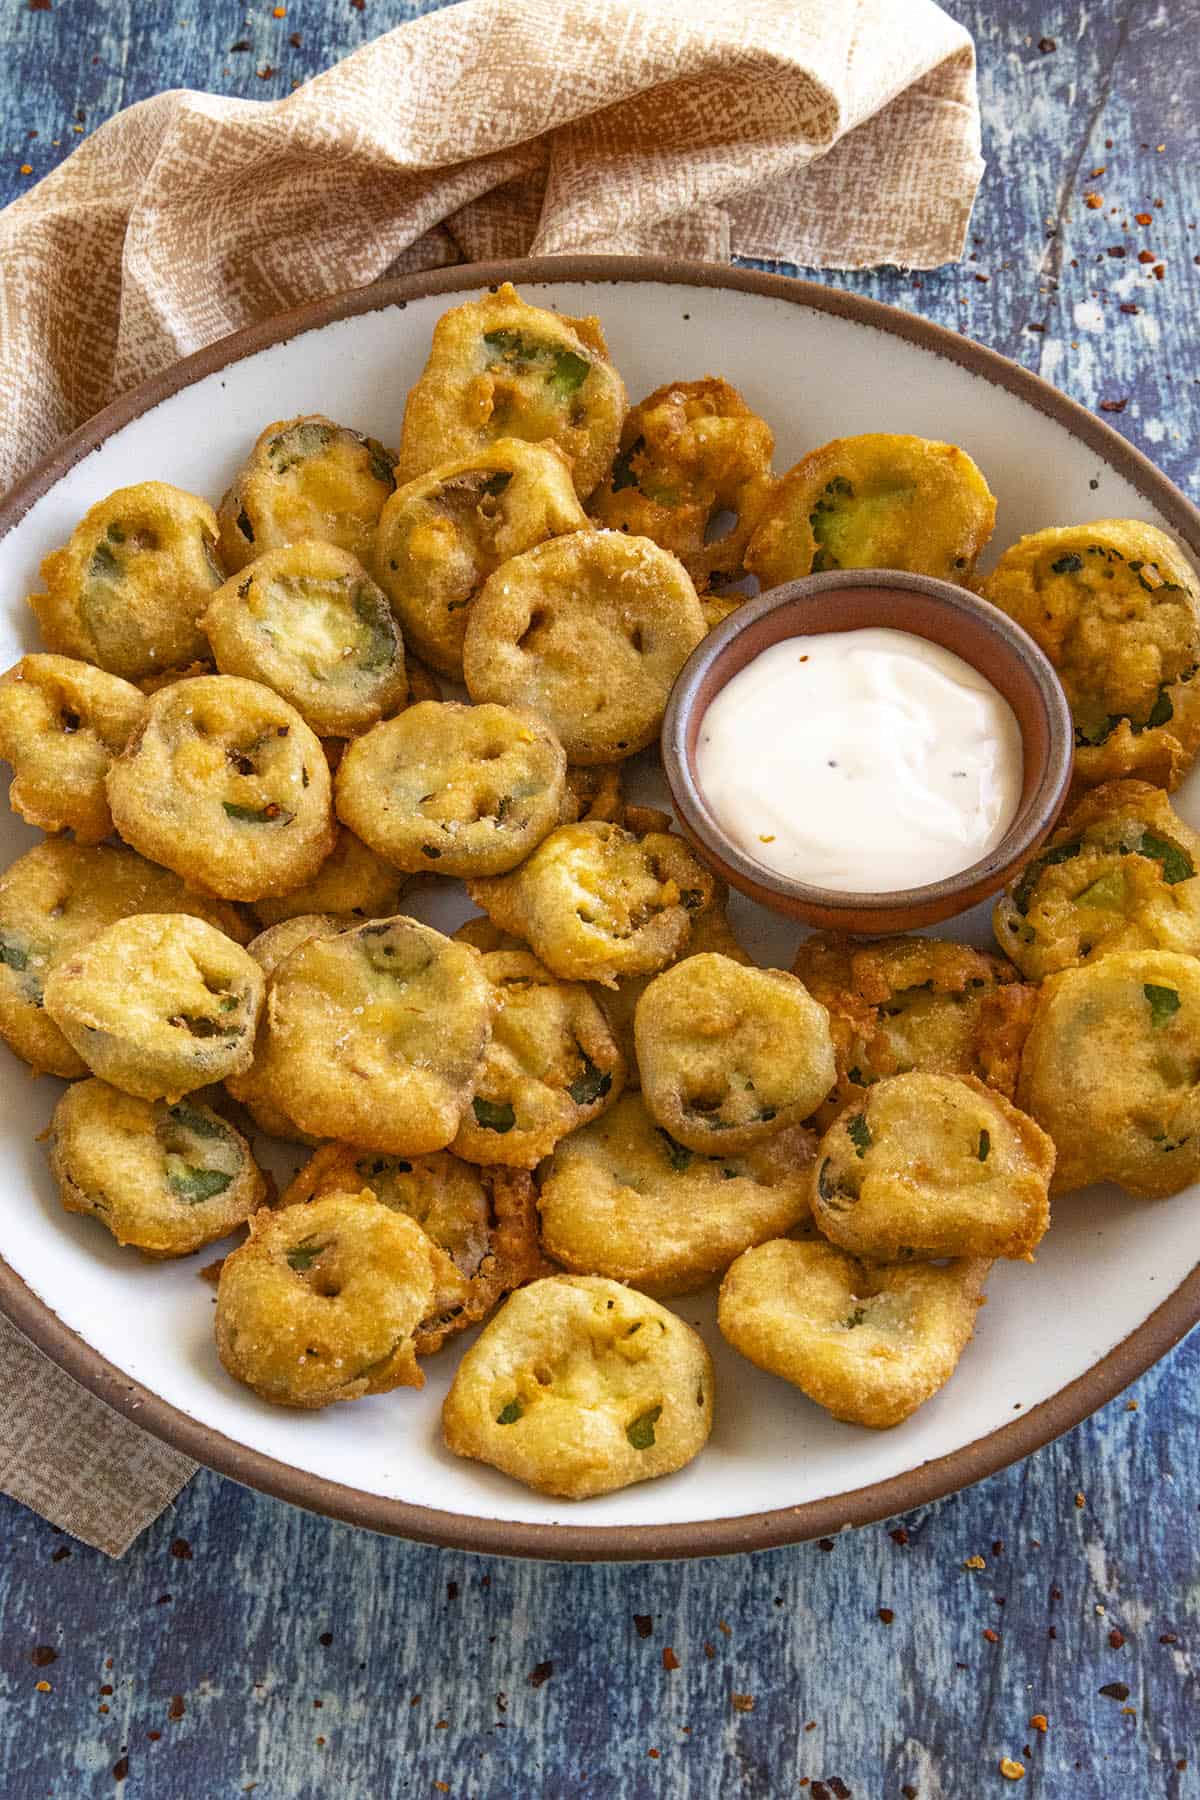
(623, 1198)
(1109, 1070)
(552, 1065)
(459, 790)
(589, 632)
(165, 1179)
(1120, 874)
(594, 902)
(930, 1166)
(593, 792)
(53, 901)
(914, 1003)
(352, 883)
(441, 536)
(127, 589)
(61, 724)
(376, 1035)
(226, 784)
(730, 1055)
(580, 1387)
(306, 478)
(159, 1004)
(690, 452)
(868, 1344)
(308, 622)
(254, 1088)
(499, 368)
(484, 1219)
(879, 501)
(325, 1301)
(1114, 606)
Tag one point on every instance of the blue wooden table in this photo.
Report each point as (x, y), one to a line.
(1051, 1615)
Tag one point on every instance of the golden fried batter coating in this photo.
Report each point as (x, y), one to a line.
(53, 901)
(579, 1387)
(484, 1219)
(459, 790)
(589, 632)
(870, 1345)
(593, 792)
(1110, 1071)
(352, 883)
(1114, 606)
(254, 1088)
(730, 1054)
(306, 478)
(622, 1198)
(165, 1179)
(159, 1004)
(594, 902)
(552, 1065)
(1119, 874)
(61, 724)
(308, 622)
(375, 1036)
(226, 784)
(325, 1301)
(441, 536)
(880, 501)
(690, 451)
(915, 1003)
(930, 1166)
(127, 589)
(500, 368)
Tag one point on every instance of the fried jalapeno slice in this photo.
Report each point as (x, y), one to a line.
(306, 478)
(552, 1065)
(880, 501)
(914, 1003)
(1110, 1070)
(691, 452)
(352, 883)
(484, 1219)
(376, 1036)
(579, 1387)
(53, 901)
(159, 1004)
(1120, 874)
(589, 632)
(325, 1301)
(127, 590)
(308, 622)
(1114, 605)
(623, 1198)
(441, 536)
(868, 1344)
(165, 1179)
(453, 789)
(226, 784)
(595, 903)
(61, 724)
(931, 1166)
(728, 1054)
(255, 1088)
(500, 368)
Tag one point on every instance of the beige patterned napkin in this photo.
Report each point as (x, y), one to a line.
(834, 133)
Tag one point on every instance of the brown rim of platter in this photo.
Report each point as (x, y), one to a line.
(579, 1542)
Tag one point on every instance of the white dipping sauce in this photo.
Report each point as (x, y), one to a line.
(864, 761)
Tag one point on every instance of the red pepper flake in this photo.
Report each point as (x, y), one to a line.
(1115, 1690)
(452, 1590)
(176, 1709)
(811, 1726)
(909, 1793)
(1095, 201)
(1116, 249)
(1145, 256)
(1130, 306)
(723, 1628)
(265, 74)
(1098, 172)
(643, 1624)
(121, 1768)
(669, 1658)
(899, 1535)
(295, 40)
(106, 1688)
(983, 278)
(242, 44)
(1031, 325)
(154, 1736)
(542, 1673)
(974, 1562)
(1144, 218)
(39, 5)
(824, 1543)
(61, 1554)
(742, 1703)
(838, 1788)
(1040, 1722)
(27, 168)
(181, 1549)
(279, 12)
(710, 1650)
(359, 5)
(886, 1614)
(1116, 1639)
(1168, 1637)
(43, 1687)
(1114, 406)
(1047, 46)
(325, 1639)
(1011, 1771)
(1160, 270)
(1052, 1633)
(42, 1655)
(993, 1637)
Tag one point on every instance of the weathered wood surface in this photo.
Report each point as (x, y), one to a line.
(243, 1646)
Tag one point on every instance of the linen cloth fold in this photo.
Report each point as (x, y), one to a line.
(831, 133)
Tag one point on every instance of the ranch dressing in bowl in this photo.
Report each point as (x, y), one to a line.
(865, 761)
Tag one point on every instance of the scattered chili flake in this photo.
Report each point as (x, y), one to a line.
(838, 1788)
(908, 1792)
(42, 1655)
(669, 1658)
(1144, 218)
(1145, 256)
(39, 5)
(154, 1736)
(974, 1562)
(1115, 1690)
(452, 1590)
(993, 1637)
(1113, 406)
(886, 1614)
(542, 1673)
(1011, 1771)
(1052, 1633)
(824, 1543)
(1040, 1722)
(102, 1708)
(1095, 201)
(242, 44)
(325, 1639)
(27, 168)
(811, 1726)
(983, 277)
(1116, 249)
(295, 40)
(898, 1535)
(1168, 1637)
(1116, 1639)
(106, 1688)
(1130, 306)
(61, 1554)
(266, 72)
(176, 1709)
(1031, 325)
(279, 12)
(1047, 46)
(1160, 270)
(121, 1768)
(710, 1650)
(43, 1687)
(359, 5)
(181, 1549)
(742, 1703)
(643, 1624)
(1130, 1405)
(723, 1628)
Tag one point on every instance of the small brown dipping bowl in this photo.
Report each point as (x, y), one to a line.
(849, 600)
